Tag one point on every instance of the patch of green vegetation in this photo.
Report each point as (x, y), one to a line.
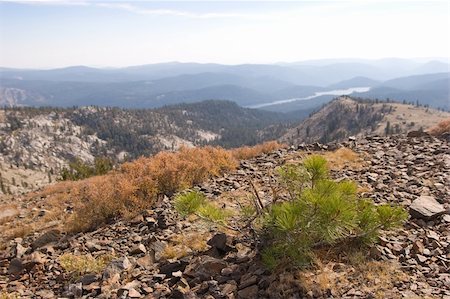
(195, 202)
(79, 170)
(188, 203)
(322, 213)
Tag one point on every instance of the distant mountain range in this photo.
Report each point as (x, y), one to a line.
(251, 85)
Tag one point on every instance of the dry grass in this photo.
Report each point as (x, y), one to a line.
(184, 244)
(344, 158)
(248, 152)
(19, 232)
(78, 265)
(440, 128)
(376, 277)
(5, 295)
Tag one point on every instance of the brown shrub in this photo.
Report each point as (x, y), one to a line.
(101, 199)
(441, 128)
(137, 184)
(173, 171)
(247, 152)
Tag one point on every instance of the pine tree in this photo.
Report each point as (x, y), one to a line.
(387, 130)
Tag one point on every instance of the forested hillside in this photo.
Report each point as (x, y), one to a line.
(36, 143)
(345, 116)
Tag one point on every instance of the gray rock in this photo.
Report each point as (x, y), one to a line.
(138, 249)
(88, 279)
(76, 289)
(219, 241)
(116, 266)
(426, 207)
(249, 293)
(15, 266)
(205, 267)
(49, 237)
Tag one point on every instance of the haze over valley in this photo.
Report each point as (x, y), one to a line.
(275, 87)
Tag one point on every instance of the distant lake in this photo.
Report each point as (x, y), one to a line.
(335, 92)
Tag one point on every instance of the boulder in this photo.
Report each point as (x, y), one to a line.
(426, 207)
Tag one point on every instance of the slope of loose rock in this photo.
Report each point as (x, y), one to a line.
(160, 255)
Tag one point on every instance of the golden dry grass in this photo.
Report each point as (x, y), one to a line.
(78, 265)
(247, 152)
(184, 244)
(5, 295)
(344, 158)
(372, 276)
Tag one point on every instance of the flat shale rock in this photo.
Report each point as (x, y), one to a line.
(426, 207)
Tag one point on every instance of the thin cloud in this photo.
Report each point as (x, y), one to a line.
(48, 2)
(145, 11)
(180, 13)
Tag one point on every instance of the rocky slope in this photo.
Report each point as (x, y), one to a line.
(160, 255)
(347, 116)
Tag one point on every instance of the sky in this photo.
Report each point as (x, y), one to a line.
(59, 33)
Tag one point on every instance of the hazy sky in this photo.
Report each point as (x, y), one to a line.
(56, 33)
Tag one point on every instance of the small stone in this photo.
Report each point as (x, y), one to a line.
(248, 281)
(418, 247)
(76, 289)
(15, 266)
(138, 249)
(88, 279)
(145, 262)
(219, 241)
(249, 293)
(421, 258)
(132, 293)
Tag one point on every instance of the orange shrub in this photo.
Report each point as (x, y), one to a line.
(100, 199)
(441, 128)
(247, 152)
(137, 184)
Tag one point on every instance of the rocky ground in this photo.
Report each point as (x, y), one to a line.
(160, 255)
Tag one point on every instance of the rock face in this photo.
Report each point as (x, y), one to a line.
(158, 254)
